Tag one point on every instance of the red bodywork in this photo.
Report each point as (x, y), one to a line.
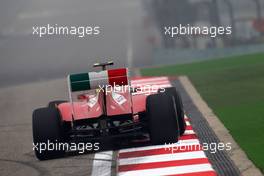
(118, 100)
(131, 105)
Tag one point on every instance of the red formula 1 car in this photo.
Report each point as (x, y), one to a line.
(102, 106)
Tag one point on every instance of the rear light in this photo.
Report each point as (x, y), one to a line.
(82, 97)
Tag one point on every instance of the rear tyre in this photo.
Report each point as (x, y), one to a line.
(55, 103)
(66, 125)
(47, 132)
(179, 106)
(163, 121)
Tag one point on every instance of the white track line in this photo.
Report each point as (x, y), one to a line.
(103, 161)
(170, 170)
(133, 158)
(181, 143)
(154, 79)
(102, 164)
(153, 86)
(150, 83)
(160, 158)
(187, 123)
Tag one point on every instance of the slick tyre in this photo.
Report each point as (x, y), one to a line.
(163, 121)
(179, 106)
(47, 133)
(55, 103)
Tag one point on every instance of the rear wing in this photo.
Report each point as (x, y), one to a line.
(94, 80)
(82, 83)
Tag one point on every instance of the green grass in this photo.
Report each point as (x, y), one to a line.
(234, 88)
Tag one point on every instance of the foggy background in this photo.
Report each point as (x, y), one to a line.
(132, 34)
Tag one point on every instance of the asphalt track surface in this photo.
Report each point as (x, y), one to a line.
(17, 157)
(31, 70)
